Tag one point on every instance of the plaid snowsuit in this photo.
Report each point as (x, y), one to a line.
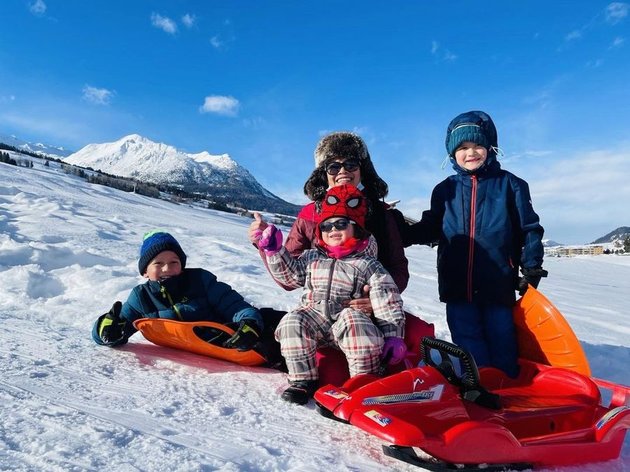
(321, 317)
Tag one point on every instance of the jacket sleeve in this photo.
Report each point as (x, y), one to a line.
(429, 229)
(395, 260)
(298, 240)
(287, 270)
(228, 303)
(387, 303)
(531, 230)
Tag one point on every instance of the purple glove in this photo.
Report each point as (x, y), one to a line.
(395, 348)
(271, 240)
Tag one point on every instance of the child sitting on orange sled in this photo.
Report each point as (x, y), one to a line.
(172, 291)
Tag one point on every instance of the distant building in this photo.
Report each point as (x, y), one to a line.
(577, 250)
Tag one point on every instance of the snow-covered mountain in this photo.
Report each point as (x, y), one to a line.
(551, 243)
(216, 175)
(618, 234)
(45, 149)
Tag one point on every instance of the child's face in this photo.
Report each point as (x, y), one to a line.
(166, 264)
(336, 237)
(470, 156)
(343, 175)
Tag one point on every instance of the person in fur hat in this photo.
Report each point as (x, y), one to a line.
(342, 261)
(486, 228)
(342, 158)
(176, 292)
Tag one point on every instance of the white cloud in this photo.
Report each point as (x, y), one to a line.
(617, 42)
(442, 54)
(573, 35)
(38, 7)
(220, 105)
(189, 20)
(98, 96)
(164, 23)
(216, 42)
(616, 11)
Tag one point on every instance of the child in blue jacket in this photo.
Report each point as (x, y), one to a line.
(486, 228)
(175, 292)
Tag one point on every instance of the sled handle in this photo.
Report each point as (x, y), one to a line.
(470, 373)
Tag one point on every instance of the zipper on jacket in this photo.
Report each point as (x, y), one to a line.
(167, 295)
(471, 242)
(330, 277)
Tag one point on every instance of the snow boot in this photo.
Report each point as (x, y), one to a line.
(300, 391)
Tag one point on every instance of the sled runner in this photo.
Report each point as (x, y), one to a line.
(200, 337)
(458, 416)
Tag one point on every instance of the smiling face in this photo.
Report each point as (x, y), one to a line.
(166, 264)
(470, 156)
(336, 237)
(344, 176)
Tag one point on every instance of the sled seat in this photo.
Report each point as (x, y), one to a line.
(555, 401)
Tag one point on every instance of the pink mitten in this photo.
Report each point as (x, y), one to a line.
(271, 240)
(395, 349)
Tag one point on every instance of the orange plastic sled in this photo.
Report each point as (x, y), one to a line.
(544, 335)
(183, 335)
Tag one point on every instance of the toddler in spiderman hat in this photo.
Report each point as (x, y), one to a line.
(335, 271)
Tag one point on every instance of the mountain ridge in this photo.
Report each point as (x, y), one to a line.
(216, 176)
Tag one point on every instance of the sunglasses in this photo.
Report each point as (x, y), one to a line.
(340, 224)
(350, 165)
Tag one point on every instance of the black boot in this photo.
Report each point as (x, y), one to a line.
(300, 391)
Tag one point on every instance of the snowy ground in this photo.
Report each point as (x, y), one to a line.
(68, 250)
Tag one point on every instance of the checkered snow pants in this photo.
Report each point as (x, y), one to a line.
(301, 331)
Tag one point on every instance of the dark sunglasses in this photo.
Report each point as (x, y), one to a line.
(350, 165)
(340, 224)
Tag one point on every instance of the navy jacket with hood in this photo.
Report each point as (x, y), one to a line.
(484, 224)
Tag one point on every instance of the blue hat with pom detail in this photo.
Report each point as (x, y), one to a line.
(473, 126)
(156, 242)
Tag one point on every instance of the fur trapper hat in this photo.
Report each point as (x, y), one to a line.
(474, 126)
(156, 242)
(340, 144)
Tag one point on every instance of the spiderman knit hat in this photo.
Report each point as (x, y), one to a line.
(473, 126)
(344, 201)
(156, 242)
(341, 144)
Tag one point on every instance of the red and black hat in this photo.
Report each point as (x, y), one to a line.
(344, 201)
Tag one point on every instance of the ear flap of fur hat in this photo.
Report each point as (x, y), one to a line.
(340, 144)
(156, 242)
(344, 201)
(474, 126)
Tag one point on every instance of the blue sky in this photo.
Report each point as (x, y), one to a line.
(263, 80)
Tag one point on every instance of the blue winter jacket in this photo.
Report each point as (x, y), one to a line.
(194, 295)
(486, 228)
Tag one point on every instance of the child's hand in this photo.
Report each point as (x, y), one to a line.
(111, 328)
(271, 240)
(245, 337)
(394, 348)
(530, 277)
(256, 228)
(364, 303)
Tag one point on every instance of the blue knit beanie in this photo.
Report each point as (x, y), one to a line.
(474, 126)
(156, 242)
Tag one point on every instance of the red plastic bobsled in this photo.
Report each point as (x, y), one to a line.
(554, 413)
(456, 414)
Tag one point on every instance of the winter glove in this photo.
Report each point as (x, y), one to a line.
(530, 277)
(112, 325)
(271, 240)
(245, 337)
(395, 349)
